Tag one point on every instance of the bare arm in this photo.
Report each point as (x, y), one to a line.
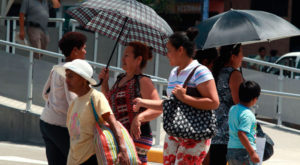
(208, 91)
(56, 3)
(111, 120)
(21, 21)
(104, 75)
(148, 92)
(235, 81)
(244, 140)
(147, 103)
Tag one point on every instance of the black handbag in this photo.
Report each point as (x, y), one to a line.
(183, 121)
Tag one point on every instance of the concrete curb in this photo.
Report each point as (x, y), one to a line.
(155, 155)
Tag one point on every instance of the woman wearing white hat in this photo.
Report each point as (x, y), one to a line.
(57, 100)
(80, 118)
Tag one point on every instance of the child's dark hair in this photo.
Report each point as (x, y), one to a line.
(71, 40)
(248, 91)
(186, 40)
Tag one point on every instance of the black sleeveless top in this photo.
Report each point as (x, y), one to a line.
(121, 102)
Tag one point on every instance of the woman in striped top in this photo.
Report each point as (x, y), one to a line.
(180, 54)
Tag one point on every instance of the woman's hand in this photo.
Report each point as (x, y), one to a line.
(138, 102)
(123, 157)
(114, 126)
(104, 74)
(135, 128)
(179, 92)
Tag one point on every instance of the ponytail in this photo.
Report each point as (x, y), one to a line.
(186, 40)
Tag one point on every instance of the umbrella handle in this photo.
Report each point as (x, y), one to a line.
(112, 53)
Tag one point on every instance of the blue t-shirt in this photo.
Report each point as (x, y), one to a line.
(241, 118)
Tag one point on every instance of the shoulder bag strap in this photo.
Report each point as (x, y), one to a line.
(189, 76)
(94, 111)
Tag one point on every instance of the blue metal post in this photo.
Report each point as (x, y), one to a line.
(205, 9)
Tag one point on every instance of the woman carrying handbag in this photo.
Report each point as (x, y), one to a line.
(177, 149)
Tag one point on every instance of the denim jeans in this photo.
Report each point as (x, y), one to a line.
(238, 157)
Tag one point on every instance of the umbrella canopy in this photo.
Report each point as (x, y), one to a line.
(141, 23)
(243, 26)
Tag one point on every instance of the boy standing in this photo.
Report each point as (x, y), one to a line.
(242, 127)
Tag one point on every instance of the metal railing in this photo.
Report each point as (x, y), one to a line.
(280, 92)
(58, 21)
(158, 81)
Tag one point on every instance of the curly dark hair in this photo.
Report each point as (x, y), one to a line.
(71, 40)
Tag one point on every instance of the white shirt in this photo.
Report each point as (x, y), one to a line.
(57, 101)
(202, 74)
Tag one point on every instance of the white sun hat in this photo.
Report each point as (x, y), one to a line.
(81, 67)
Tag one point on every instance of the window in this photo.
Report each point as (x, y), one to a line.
(286, 61)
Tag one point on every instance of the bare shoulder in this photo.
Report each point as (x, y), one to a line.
(145, 81)
(236, 75)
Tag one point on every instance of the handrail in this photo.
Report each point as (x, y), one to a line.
(50, 19)
(280, 94)
(159, 80)
(59, 23)
(260, 62)
(155, 79)
(29, 48)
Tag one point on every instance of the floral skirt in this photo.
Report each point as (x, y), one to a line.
(178, 151)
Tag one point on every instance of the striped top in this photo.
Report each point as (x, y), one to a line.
(202, 74)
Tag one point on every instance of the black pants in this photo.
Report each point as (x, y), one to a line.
(57, 141)
(218, 154)
(91, 161)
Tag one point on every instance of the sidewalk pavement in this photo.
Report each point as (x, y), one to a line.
(286, 149)
(287, 145)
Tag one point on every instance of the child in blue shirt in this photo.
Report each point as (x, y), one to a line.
(241, 148)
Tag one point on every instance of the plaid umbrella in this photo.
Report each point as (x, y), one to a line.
(124, 21)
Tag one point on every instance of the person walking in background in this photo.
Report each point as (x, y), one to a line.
(37, 14)
(180, 54)
(242, 127)
(130, 85)
(57, 100)
(228, 80)
(273, 56)
(261, 56)
(80, 118)
(207, 57)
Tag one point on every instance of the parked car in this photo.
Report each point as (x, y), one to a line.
(289, 59)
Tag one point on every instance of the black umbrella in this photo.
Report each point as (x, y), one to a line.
(243, 26)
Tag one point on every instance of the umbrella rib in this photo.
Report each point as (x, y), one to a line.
(249, 22)
(215, 24)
